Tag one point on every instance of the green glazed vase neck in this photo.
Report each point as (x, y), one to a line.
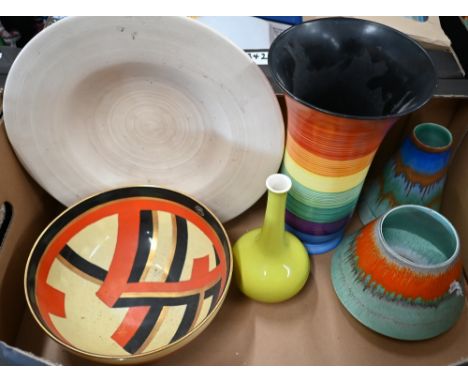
(271, 236)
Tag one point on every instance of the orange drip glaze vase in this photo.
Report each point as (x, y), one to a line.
(401, 275)
(346, 84)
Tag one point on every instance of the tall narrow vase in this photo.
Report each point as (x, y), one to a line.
(347, 81)
(270, 264)
(414, 175)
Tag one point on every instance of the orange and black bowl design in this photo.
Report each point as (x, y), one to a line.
(129, 275)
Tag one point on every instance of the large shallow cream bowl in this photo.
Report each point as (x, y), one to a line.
(94, 103)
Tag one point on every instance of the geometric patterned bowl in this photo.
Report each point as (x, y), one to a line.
(401, 275)
(129, 275)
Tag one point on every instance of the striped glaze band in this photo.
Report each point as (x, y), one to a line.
(327, 157)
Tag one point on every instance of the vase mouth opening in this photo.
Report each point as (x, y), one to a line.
(278, 183)
(352, 68)
(432, 137)
(419, 237)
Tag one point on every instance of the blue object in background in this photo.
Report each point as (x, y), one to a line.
(10, 356)
(291, 20)
(421, 19)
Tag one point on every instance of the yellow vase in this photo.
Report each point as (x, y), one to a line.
(270, 264)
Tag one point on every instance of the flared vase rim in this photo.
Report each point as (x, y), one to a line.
(434, 214)
(344, 115)
(278, 183)
(427, 147)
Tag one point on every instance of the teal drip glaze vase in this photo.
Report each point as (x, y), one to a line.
(270, 264)
(416, 174)
(401, 274)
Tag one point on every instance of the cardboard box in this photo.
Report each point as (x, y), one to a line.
(310, 329)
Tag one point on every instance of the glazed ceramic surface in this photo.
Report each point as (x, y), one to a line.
(129, 275)
(401, 275)
(347, 81)
(97, 103)
(415, 175)
(271, 265)
(327, 157)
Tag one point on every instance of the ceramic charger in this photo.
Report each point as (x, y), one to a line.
(96, 103)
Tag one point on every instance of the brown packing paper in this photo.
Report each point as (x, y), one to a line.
(32, 211)
(310, 329)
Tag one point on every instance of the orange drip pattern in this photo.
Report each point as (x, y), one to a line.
(395, 279)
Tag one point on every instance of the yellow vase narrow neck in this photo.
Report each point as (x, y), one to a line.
(272, 233)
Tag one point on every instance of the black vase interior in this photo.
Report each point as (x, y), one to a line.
(352, 67)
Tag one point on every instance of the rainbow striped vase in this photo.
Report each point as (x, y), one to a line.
(345, 85)
(327, 158)
(414, 175)
(401, 275)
